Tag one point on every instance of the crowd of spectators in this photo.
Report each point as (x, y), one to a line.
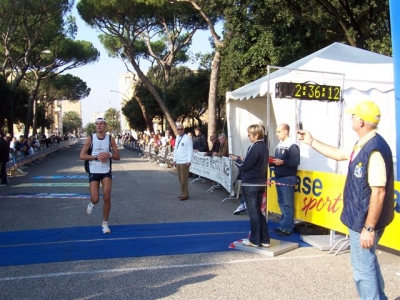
(24, 147)
(217, 145)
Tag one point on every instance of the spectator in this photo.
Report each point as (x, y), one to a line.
(165, 138)
(242, 204)
(368, 195)
(22, 145)
(172, 141)
(156, 143)
(4, 157)
(215, 146)
(33, 145)
(286, 161)
(223, 146)
(253, 168)
(13, 149)
(182, 160)
(118, 140)
(199, 141)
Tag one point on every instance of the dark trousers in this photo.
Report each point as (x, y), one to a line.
(3, 173)
(259, 232)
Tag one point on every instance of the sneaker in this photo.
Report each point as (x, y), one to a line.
(3, 184)
(265, 245)
(105, 228)
(241, 208)
(285, 233)
(246, 242)
(89, 208)
(278, 230)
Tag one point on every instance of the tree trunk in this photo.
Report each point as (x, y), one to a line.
(10, 126)
(212, 96)
(29, 116)
(146, 117)
(155, 94)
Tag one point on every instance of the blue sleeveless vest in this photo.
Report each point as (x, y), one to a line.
(357, 192)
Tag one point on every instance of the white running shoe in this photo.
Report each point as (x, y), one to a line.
(89, 208)
(246, 242)
(105, 228)
(241, 208)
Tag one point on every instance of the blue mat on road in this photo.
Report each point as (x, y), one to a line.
(88, 243)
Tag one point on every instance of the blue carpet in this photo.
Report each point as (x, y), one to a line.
(87, 243)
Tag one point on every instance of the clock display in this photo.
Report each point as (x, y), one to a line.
(307, 91)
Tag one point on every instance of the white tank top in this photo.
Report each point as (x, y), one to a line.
(100, 145)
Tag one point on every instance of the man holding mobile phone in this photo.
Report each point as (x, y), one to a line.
(286, 161)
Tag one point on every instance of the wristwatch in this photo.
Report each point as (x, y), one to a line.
(369, 228)
(95, 157)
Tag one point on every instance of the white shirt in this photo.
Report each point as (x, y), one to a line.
(183, 152)
(103, 145)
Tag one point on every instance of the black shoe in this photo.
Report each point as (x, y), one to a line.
(285, 233)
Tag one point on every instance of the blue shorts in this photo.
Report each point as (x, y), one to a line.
(99, 176)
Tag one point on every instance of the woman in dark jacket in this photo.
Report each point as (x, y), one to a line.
(253, 168)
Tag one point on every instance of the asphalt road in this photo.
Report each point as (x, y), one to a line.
(145, 193)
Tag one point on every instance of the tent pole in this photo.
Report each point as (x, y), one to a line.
(394, 8)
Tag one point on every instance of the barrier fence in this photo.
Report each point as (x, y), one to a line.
(20, 159)
(218, 169)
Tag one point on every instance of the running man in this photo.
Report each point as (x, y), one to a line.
(103, 150)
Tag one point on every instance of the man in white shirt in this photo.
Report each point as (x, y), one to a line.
(183, 154)
(99, 158)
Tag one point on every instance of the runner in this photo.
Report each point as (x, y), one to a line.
(99, 149)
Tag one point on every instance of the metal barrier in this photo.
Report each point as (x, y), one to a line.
(22, 159)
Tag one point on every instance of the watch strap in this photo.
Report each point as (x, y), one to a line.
(369, 228)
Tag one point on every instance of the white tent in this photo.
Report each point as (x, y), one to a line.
(361, 75)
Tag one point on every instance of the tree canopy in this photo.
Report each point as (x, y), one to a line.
(186, 97)
(37, 42)
(151, 30)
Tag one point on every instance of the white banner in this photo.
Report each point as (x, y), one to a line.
(218, 169)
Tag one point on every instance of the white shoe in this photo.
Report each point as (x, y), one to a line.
(246, 242)
(105, 228)
(89, 208)
(241, 208)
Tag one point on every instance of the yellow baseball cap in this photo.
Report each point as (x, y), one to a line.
(367, 111)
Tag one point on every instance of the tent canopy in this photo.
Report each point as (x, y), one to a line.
(360, 74)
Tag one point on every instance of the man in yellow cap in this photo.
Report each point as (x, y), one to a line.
(368, 195)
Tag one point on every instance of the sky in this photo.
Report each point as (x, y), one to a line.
(102, 77)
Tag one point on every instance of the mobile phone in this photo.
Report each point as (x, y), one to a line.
(300, 125)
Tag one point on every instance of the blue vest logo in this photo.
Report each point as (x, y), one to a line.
(358, 171)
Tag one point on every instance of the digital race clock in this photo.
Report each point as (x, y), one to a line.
(307, 91)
